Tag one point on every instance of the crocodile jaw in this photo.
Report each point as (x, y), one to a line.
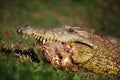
(41, 35)
(64, 34)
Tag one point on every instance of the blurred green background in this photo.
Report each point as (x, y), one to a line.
(100, 16)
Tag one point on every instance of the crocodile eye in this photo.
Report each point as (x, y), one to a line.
(71, 30)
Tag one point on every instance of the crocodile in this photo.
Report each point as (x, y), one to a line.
(74, 47)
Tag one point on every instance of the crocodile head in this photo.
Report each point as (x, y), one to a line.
(63, 34)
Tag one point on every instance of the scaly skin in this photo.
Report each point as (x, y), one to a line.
(71, 46)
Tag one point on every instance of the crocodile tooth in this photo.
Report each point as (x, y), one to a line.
(33, 35)
(39, 38)
(36, 37)
(43, 41)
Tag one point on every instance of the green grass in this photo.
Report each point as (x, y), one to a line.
(95, 15)
(12, 70)
(99, 15)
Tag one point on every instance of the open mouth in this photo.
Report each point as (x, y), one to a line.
(29, 32)
(40, 39)
(43, 35)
